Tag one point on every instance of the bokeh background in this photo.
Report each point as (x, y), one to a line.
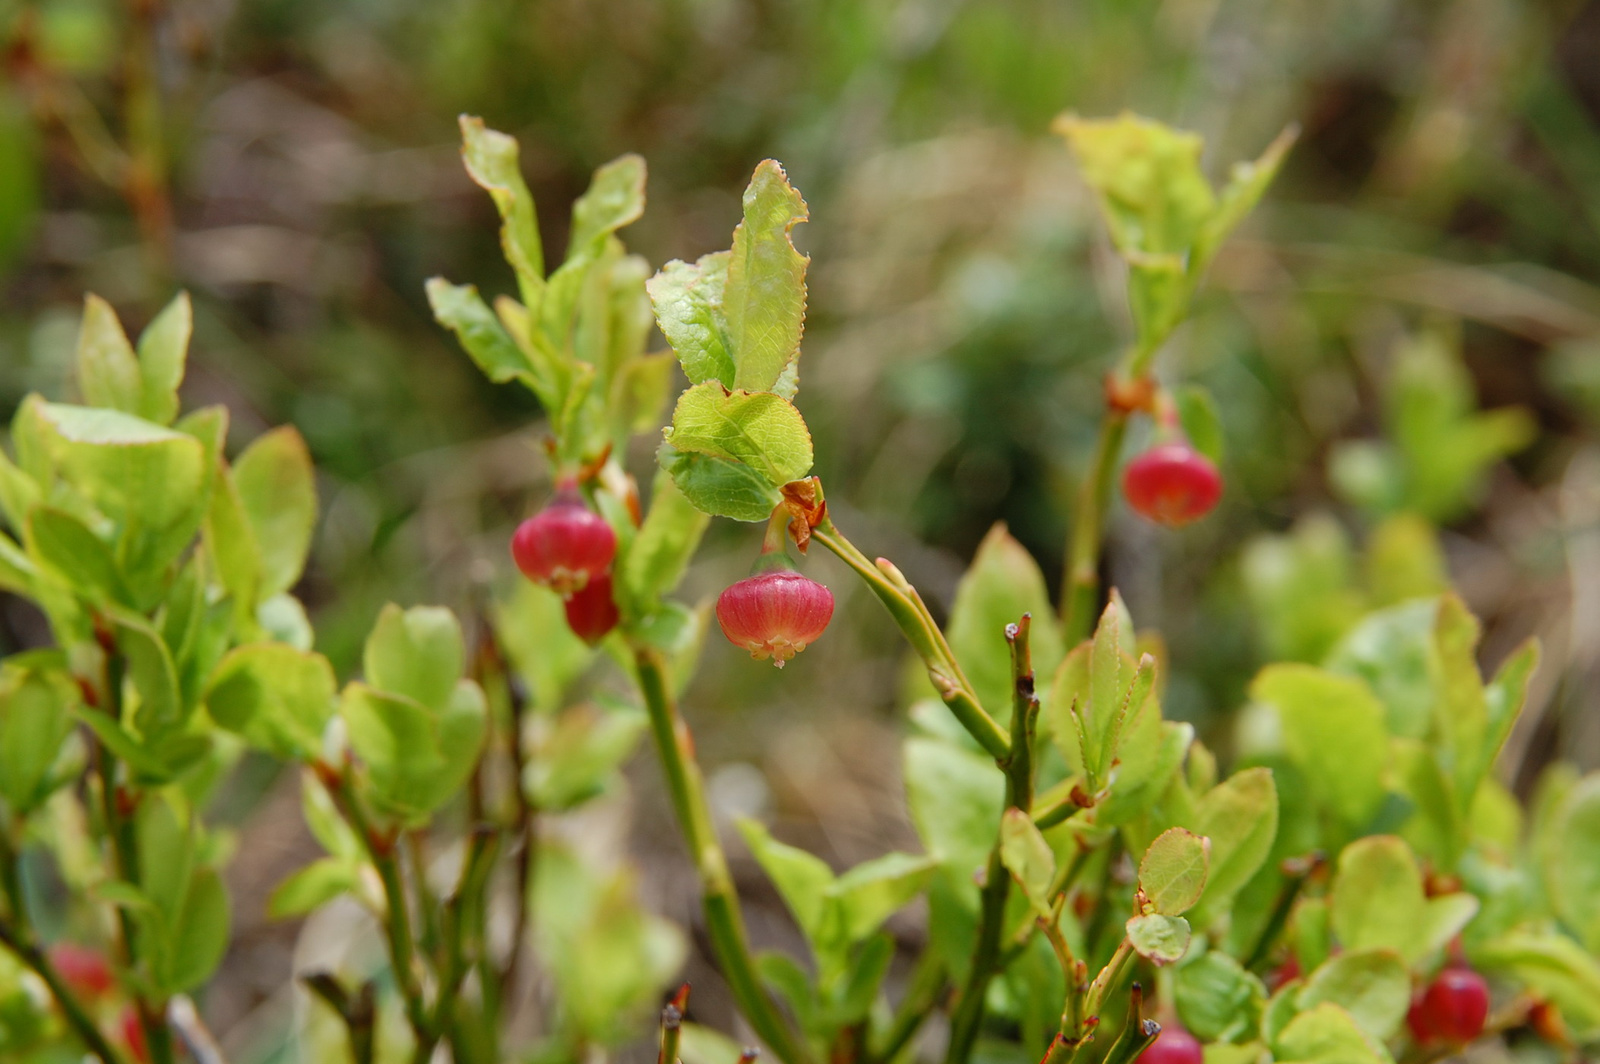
(294, 165)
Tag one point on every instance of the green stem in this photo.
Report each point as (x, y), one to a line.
(724, 921)
(922, 996)
(1080, 595)
(1018, 767)
(397, 918)
(16, 935)
(911, 614)
(121, 833)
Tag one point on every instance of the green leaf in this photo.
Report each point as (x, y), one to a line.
(277, 490)
(1301, 589)
(868, 894)
(854, 995)
(1552, 966)
(153, 673)
(639, 393)
(416, 758)
(36, 701)
(108, 372)
(1197, 412)
(660, 552)
(1240, 818)
(151, 482)
(1327, 1034)
(1389, 649)
(1333, 729)
(580, 757)
(764, 302)
(1246, 185)
(1378, 899)
(956, 798)
(688, 307)
(163, 351)
(1159, 938)
(496, 350)
(1147, 178)
(1173, 871)
(83, 559)
(758, 429)
(1216, 998)
(199, 935)
(1373, 986)
(1571, 865)
(492, 161)
(533, 627)
(802, 879)
(1460, 710)
(1378, 902)
(418, 653)
(718, 487)
(1405, 562)
(615, 198)
(278, 698)
(1028, 857)
(1002, 584)
(310, 887)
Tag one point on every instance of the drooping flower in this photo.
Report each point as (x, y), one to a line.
(1172, 484)
(774, 614)
(565, 545)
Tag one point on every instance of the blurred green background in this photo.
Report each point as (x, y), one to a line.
(293, 163)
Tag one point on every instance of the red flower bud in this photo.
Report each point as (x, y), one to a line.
(1172, 484)
(591, 611)
(1173, 1045)
(83, 969)
(1452, 1009)
(564, 545)
(774, 614)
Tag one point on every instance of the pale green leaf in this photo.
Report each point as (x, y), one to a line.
(688, 306)
(1172, 873)
(764, 302)
(1373, 986)
(277, 697)
(492, 161)
(1028, 857)
(277, 490)
(1333, 729)
(163, 353)
(108, 371)
(1158, 938)
(615, 198)
(417, 652)
(758, 429)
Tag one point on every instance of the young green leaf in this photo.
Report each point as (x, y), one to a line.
(1216, 998)
(163, 352)
(688, 305)
(108, 371)
(656, 559)
(1327, 1034)
(615, 198)
(1172, 874)
(1571, 865)
(764, 302)
(802, 879)
(955, 797)
(759, 429)
(1159, 938)
(868, 894)
(1240, 818)
(1333, 728)
(1029, 859)
(1246, 185)
(501, 354)
(199, 935)
(417, 653)
(278, 493)
(278, 698)
(492, 161)
(1197, 412)
(36, 701)
(1002, 583)
(1373, 986)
